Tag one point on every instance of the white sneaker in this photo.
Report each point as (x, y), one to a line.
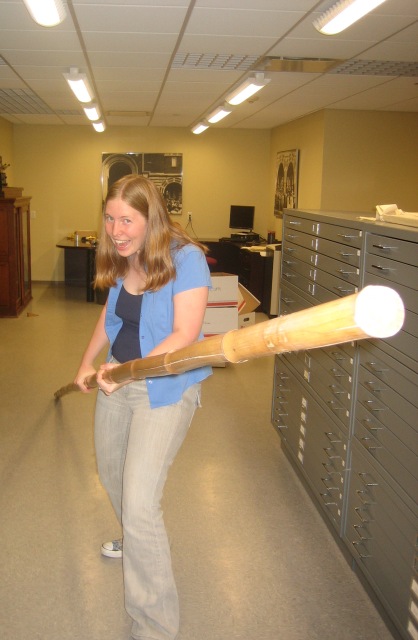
(112, 549)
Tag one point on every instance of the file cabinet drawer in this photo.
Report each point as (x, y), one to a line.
(400, 462)
(386, 415)
(292, 254)
(388, 396)
(393, 248)
(335, 232)
(390, 371)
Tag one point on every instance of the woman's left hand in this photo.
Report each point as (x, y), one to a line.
(108, 387)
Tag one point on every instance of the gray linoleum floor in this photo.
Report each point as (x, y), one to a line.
(253, 558)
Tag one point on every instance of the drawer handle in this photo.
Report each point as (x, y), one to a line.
(363, 495)
(374, 365)
(367, 422)
(329, 469)
(370, 447)
(295, 222)
(362, 476)
(291, 236)
(325, 496)
(344, 254)
(342, 290)
(371, 384)
(380, 268)
(361, 555)
(346, 236)
(335, 406)
(345, 273)
(289, 275)
(357, 528)
(337, 373)
(374, 408)
(331, 435)
(329, 456)
(289, 249)
(325, 480)
(288, 261)
(334, 390)
(383, 247)
(338, 356)
(358, 510)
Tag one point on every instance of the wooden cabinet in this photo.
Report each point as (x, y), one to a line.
(15, 267)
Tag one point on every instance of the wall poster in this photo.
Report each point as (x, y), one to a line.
(164, 169)
(286, 194)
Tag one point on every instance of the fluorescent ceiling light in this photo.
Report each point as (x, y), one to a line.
(219, 113)
(92, 112)
(343, 14)
(79, 85)
(200, 128)
(99, 126)
(47, 13)
(247, 89)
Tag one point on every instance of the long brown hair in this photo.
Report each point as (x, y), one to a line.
(162, 237)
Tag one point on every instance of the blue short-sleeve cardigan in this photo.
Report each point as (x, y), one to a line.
(156, 322)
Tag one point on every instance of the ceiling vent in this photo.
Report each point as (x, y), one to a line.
(377, 68)
(298, 65)
(223, 62)
(15, 101)
(343, 67)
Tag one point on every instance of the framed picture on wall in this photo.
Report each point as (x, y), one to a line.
(164, 169)
(286, 194)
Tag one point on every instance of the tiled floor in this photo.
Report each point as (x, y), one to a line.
(252, 556)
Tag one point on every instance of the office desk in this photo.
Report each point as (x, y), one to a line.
(79, 265)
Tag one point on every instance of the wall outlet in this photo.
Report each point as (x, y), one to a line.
(190, 216)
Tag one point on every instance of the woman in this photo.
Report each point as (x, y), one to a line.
(158, 282)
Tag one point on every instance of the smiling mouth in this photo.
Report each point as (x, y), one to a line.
(121, 244)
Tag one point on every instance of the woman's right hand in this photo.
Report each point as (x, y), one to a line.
(82, 374)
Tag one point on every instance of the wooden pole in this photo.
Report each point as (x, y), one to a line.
(374, 312)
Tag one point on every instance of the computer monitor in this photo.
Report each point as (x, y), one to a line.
(241, 217)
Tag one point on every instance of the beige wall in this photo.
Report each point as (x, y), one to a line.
(370, 158)
(6, 148)
(60, 168)
(349, 160)
(307, 135)
(352, 160)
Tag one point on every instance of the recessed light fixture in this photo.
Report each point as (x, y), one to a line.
(47, 13)
(200, 128)
(343, 14)
(79, 85)
(247, 89)
(219, 113)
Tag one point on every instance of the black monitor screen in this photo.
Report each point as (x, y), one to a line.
(241, 217)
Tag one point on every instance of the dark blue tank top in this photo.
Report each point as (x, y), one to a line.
(128, 308)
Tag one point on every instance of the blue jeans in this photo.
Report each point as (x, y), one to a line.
(135, 446)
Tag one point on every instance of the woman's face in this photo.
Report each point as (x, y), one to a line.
(125, 226)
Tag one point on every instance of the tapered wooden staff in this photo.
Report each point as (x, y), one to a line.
(374, 312)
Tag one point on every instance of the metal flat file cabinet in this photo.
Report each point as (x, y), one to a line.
(347, 415)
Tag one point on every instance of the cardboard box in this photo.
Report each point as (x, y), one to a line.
(224, 291)
(227, 292)
(246, 319)
(228, 302)
(220, 320)
(246, 301)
